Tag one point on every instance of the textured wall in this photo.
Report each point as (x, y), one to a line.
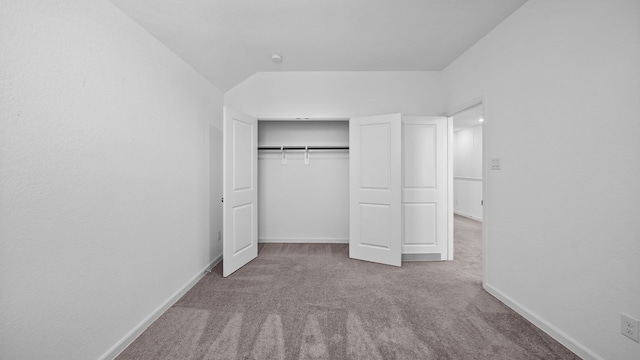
(562, 83)
(104, 177)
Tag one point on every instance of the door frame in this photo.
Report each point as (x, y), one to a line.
(479, 101)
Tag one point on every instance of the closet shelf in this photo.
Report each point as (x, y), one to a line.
(279, 148)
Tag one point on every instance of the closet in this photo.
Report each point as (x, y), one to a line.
(379, 183)
(303, 181)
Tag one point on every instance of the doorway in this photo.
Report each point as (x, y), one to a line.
(468, 179)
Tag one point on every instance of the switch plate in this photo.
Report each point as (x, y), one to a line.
(629, 327)
(496, 163)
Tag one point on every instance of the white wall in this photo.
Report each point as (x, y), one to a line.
(561, 81)
(467, 152)
(346, 93)
(298, 202)
(104, 177)
(467, 172)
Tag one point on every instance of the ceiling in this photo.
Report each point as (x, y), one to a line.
(468, 118)
(229, 40)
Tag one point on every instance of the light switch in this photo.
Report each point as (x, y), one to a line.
(496, 164)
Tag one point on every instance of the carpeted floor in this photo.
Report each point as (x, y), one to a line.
(310, 301)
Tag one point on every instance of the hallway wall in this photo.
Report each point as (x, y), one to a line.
(467, 172)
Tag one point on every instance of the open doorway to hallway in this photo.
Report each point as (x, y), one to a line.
(468, 180)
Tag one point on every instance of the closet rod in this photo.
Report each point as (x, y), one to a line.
(303, 148)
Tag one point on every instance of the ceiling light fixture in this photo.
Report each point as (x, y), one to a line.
(277, 59)
(481, 120)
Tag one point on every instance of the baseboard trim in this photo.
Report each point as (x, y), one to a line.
(545, 326)
(422, 257)
(304, 240)
(468, 216)
(144, 324)
(213, 263)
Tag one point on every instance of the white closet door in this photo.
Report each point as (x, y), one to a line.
(375, 223)
(240, 206)
(425, 196)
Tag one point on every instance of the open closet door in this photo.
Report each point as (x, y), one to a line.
(375, 162)
(240, 203)
(425, 195)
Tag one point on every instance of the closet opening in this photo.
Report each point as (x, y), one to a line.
(303, 181)
(377, 183)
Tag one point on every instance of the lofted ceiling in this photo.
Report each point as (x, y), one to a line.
(229, 40)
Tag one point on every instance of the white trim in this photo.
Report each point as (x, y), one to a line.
(422, 257)
(303, 240)
(470, 178)
(481, 101)
(564, 339)
(485, 189)
(468, 216)
(119, 347)
(450, 204)
(466, 106)
(213, 263)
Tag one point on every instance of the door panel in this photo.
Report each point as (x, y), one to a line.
(420, 139)
(375, 224)
(375, 227)
(240, 239)
(425, 185)
(242, 155)
(242, 215)
(375, 156)
(420, 224)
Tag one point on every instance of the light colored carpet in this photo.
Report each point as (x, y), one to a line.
(310, 301)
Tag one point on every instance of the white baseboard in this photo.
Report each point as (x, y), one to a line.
(304, 240)
(144, 324)
(422, 257)
(545, 326)
(468, 216)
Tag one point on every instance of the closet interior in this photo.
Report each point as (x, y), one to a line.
(303, 181)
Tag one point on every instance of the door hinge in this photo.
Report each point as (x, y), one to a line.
(481, 202)
(221, 199)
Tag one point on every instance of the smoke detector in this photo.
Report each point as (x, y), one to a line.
(277, 59)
